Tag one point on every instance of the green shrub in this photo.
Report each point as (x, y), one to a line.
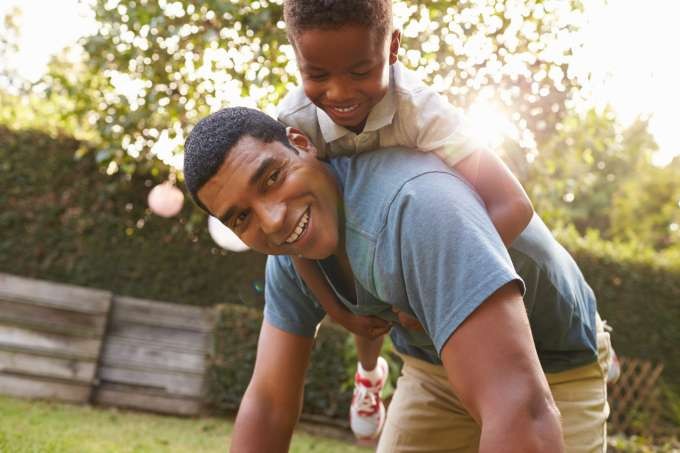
(638, 292)
(63, 220)
(327, 386)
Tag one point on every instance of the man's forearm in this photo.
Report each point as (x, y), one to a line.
(260, 426)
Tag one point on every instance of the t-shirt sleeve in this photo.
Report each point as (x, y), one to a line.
(288, 304)
(447, 251)
(432, 124)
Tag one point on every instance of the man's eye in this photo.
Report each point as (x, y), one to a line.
(273, 178)
(240, 219)
(360, 73)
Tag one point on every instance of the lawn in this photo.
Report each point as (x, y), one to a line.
(32, 426)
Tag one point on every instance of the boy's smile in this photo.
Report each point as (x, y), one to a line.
(345, 71)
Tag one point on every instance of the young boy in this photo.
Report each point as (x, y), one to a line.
(356, 97)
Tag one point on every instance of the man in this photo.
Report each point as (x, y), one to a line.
(398, 231)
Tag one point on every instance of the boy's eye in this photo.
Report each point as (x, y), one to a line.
(316, 76)
(360, 73)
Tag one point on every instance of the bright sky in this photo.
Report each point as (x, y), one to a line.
(628, 49)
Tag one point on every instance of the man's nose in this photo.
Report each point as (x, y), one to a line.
(272, 216)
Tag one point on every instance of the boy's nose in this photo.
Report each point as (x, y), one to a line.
(337, 91)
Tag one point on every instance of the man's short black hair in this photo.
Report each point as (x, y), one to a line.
(215, 135)
(301, 15)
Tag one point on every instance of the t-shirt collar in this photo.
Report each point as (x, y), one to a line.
(380, 116)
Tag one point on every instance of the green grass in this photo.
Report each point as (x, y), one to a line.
(44, 427)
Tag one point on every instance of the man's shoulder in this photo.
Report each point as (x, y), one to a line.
(387, 168)
(376, 183)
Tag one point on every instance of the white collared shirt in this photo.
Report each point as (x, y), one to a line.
(411, 115)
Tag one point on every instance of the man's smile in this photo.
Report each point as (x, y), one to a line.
(300, 228)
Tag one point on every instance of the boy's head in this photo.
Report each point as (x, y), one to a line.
(344, 49)
(302, 15)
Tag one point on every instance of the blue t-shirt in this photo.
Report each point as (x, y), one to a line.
(419, 238)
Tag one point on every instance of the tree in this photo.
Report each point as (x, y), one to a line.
(155, 68)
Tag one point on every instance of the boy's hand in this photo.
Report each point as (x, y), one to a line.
(407, 321)
(365, 326)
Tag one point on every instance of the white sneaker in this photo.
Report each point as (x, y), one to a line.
(367, 412)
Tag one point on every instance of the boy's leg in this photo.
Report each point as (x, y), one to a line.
(581, 396)
(367, 413)
(425, 415)
(368, 351)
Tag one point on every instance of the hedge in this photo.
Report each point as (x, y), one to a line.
(63, 219)
(638, 293)
(328, 385)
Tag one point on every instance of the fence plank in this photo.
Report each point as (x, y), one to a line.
(127, 352)
(140, 311)
(25, 363)
(140, 398)
(29, 387)
(183, 384)
(25, 339)
(67, 297)
(178, 339)
(52, 319)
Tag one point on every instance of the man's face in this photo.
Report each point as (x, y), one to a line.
(345, 72)
(278, 202)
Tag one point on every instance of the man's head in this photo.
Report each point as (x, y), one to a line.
(263, 182)
(344, 49)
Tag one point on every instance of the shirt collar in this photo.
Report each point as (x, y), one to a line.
(380, 116)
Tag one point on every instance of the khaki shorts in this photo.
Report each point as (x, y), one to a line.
(426, 416)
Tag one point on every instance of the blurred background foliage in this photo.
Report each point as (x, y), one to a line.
(153, 68)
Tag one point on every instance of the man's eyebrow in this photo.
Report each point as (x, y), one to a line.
(257, 174)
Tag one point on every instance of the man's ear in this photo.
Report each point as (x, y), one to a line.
(394, 46)
(300, 141)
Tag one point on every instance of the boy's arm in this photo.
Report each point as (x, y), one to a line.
(429, 123)
(506, 201)
(272, 403)
(365, 326)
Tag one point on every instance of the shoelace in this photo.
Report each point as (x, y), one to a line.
(367, 400)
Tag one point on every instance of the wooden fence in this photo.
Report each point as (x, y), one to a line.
(154, 356)
(83, 345)
(50, 338)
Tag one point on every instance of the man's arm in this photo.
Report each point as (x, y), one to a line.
(272, 403)
(493, 367)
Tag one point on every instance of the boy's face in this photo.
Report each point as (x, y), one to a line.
(278, 202)
(345, 71)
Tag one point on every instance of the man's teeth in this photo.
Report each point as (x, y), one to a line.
(299, 229)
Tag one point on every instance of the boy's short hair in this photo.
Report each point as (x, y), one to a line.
(214, 136)
(301, 15)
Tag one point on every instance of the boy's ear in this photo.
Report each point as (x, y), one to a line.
(300, 141)
(395, 41)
